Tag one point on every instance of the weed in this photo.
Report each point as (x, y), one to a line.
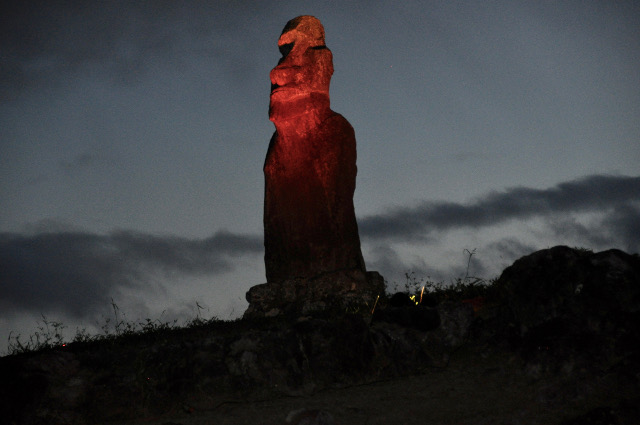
(583, 250)
(49, 334)
(460, 288)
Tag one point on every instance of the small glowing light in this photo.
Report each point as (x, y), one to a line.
(421, 293)
(375, 304)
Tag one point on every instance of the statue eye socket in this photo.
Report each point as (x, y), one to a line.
(285, 49)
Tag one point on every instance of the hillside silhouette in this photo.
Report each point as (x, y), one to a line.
(552, 341)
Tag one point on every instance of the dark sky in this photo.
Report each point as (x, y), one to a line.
(132, 137)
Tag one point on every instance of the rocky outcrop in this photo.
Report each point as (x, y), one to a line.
(571, 303)
(143, 376)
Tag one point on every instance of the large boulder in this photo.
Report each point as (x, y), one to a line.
(571, 302)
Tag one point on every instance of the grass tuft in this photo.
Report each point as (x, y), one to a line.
(50, 335)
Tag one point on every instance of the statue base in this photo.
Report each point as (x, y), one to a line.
(343, 291)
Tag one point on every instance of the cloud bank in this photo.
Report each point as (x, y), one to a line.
(46, 41)
(76, 272)
(617, 197)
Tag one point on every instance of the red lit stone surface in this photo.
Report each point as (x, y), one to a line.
(310, 170)
(312, 248)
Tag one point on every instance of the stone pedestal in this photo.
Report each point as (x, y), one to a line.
(353, 291)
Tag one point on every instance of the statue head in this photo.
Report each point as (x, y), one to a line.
(300, 81)
(303, 31)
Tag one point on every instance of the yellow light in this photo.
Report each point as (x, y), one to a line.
(375, 304)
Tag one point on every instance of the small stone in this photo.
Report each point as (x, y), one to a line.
(310, 417)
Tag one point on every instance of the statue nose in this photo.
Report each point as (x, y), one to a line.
(285, 49)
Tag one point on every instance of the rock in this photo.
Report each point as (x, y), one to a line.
(310, 170)
(597, 416)
(421, 318)
(454, 323)
(339, 292)
(565, 303)
(403, 310)
(401, 299)
(310, 417)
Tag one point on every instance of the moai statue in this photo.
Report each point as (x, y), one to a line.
(312, 248)
(310, 171)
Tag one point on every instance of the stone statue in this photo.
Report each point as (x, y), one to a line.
(310, 170)
(312, 247)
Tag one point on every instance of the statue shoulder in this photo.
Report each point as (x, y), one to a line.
(337, 121)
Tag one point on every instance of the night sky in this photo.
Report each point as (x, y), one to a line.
(133, 134)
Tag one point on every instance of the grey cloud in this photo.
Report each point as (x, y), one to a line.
(75, 272)
(208, 255)
(589, 194)
(615, 202)
(398, 272)
(570, 229)
(489, 260)
(385, 259)
(624, 224)
(45, 41)
(510, 248)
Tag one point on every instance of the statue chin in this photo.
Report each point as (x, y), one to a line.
(286, 105)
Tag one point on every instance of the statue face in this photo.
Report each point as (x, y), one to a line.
(304, 72)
